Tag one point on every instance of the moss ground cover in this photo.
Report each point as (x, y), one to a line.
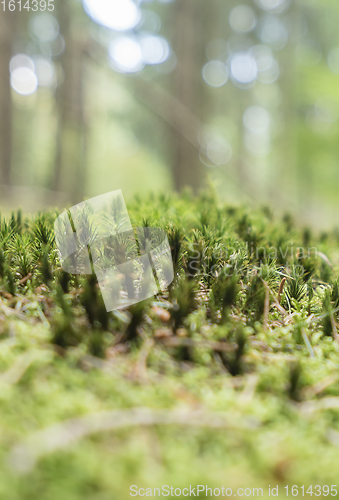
(228, 379)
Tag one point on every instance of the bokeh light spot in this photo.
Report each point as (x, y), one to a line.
(273, 32)
(155, 50)
(119, 15)
(219, 151)
(126, 55)
(263, 56)
(45, 72)
(270, 75)
(151, 22)
(244, 68)
(215, 149)
(215, 73)
(24, 81)
(273, 4)
(256, 119)
(21, 61)
(45, 27)
(242, 19)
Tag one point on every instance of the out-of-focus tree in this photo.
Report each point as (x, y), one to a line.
(244, 93)
(189, 19)
(70, 158)
(7, 24)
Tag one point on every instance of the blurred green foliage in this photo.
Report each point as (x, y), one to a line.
(96, 127)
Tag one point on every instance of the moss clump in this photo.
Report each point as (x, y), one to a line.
(248, 327)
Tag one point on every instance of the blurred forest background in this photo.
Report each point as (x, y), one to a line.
(162, 94)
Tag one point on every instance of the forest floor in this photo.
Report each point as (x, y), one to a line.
(229, 380)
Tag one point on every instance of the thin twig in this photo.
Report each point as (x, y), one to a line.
(26, 278)
(320, 386)
(276, 303)
(17, 370)
(8, 311)
(328, 403)
(24, 456)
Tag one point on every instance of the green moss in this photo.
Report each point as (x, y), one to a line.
(222, 348)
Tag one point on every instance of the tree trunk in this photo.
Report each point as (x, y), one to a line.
(6, 29)
(70, 156)
(187, 88)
